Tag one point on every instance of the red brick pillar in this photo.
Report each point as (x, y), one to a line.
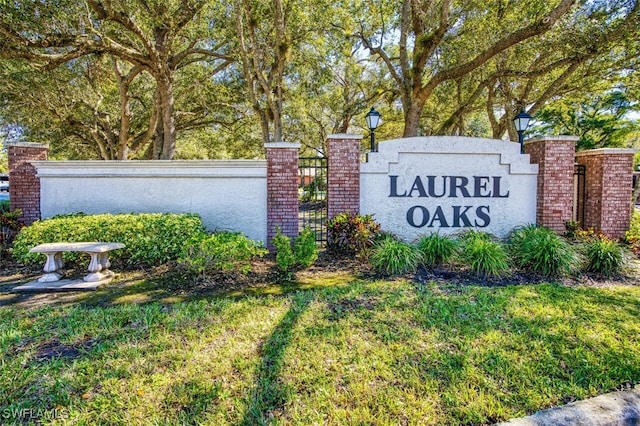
(555, 156)
(343, 183)
(282, 189)
(609, 187)
(24, 184)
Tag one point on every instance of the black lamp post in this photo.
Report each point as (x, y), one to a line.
(373, 119)
(521, 122)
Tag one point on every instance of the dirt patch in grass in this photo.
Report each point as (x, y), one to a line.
(53, 348)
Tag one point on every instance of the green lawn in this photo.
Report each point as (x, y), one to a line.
(357, 352)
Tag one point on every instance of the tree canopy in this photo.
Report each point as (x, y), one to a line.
(120, 79)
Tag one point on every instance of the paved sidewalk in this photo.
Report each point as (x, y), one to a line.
(612, 409)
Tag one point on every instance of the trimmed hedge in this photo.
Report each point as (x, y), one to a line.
(150, 238)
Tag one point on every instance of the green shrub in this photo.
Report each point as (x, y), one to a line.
(4, 206)
(436, 249)
(304, 252)
(604, 256)
(352, 235)
(482, 254)
(394, 257)
(9, 226)
(150, 239)
(220, 252)
(285, 259)
(632, 236)
(473, 235)
(305, 249)
(541, 250)
(573, 228)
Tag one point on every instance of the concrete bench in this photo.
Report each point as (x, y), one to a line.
(98, 266)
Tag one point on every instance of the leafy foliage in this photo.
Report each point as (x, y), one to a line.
(394, 257)
(151, 238)
(285, 259)
(632, 236)
(305, 249)
(241, 57)
(599, 121)
(9, 225)
(483, 255)
(220, 252)
(304, 252)
(541, 250)
(349, 234)
(604, 256)
(436, 249)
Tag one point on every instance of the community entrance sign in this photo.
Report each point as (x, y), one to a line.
(416, 186)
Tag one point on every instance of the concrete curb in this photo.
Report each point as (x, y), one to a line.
(612, 409)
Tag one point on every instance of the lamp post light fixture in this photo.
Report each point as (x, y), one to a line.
(373, 120)
(521, 122)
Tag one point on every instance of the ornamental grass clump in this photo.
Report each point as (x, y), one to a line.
(394, 257)
(436, 249)
(483, 255)
(604, 256)
(540, 250)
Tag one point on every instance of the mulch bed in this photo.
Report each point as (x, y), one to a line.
(173, 279)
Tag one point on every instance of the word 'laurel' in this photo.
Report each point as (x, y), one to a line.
(450, 187)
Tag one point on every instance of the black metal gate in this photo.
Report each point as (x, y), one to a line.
(312, 195)
(579, 193)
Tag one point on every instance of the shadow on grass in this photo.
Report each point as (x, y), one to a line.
(269, 395)
(169, 284)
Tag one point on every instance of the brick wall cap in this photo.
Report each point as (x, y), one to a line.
(552, 138)
(607, 151)
(344, 136)
(282, 145)
(28, 145)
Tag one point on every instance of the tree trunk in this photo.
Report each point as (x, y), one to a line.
(125, 122)
(165, 90)
(412, 118)
(158, 138)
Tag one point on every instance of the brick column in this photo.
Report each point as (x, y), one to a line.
(282, 189)
(24, 184)
(343, 183)
(609, 187)
(555, 156)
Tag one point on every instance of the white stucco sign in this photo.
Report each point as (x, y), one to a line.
(416, 186)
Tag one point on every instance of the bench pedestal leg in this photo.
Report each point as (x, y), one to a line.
(52, 268)
(103, 258)
(99, 262)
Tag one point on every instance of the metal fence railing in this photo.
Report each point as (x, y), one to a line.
(312, 195)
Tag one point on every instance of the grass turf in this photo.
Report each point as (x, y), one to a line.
(356, 352)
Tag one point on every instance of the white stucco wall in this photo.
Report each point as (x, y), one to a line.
(482, 162)
(228, 195)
